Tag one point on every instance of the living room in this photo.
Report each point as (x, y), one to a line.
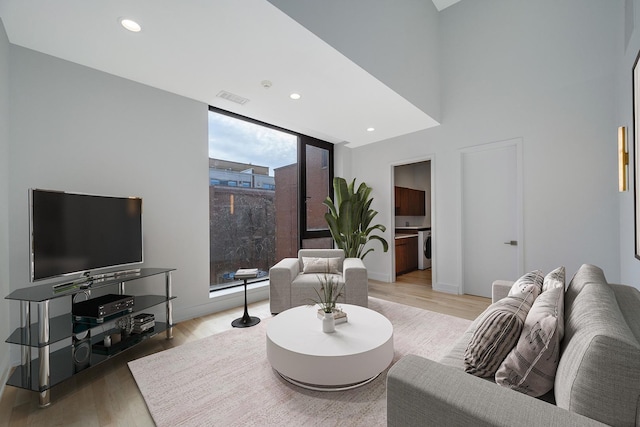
(556, 75)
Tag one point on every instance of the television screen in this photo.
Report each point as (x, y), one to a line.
(79, 233)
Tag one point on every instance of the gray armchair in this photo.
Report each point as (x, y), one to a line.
(292, 280)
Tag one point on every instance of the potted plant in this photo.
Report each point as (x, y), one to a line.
(350, 216)
(330, 291)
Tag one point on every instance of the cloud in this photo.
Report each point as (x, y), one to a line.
(242, 141)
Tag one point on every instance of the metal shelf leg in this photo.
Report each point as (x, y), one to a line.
(44, 376)
(169, 307)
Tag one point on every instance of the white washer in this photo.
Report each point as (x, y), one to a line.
(424, 249)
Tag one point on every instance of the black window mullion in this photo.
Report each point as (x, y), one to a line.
(304, 141)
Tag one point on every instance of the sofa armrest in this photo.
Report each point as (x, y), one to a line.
(280, 277)
(422, 392)
(353, 266)
(285, 269)
(356, 281)
(500, 289)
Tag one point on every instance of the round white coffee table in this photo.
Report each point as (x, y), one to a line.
(355, 354)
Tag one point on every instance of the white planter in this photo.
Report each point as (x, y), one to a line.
(328, 323)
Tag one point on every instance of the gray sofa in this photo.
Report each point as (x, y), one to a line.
(597, 379)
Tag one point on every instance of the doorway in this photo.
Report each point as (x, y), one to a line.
(413, 249)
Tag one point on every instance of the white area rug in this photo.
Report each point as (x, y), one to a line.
(226, 379)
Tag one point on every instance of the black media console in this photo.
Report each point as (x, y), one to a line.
(52, 367)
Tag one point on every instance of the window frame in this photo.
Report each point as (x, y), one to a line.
(303, 141)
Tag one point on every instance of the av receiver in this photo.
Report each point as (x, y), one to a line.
(103, 306)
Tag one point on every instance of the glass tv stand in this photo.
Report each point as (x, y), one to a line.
(52, 367)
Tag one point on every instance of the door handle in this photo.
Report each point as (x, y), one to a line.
(512, 243)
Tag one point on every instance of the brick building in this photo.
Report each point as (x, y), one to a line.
(254, 217)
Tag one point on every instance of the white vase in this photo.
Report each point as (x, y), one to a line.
(328, 323)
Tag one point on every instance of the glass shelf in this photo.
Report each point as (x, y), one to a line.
(64, 326)
(63, 367)
(41, 375)
(40, 293)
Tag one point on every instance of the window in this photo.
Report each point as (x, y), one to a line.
(257, 175)
(315, 186)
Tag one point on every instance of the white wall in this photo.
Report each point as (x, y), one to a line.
(543, 71)
(396, 42)
(629, 265)
(77, 129)
(4, 205)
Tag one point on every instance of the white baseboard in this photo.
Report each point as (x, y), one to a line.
(443, 287)
(381, 277)
(225, 300)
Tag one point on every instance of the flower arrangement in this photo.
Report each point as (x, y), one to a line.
(330, 291)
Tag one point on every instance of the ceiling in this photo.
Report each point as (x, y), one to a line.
(199, 48)
(443, 4)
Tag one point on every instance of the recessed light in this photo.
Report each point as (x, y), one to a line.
(370, 129)
(295, 96)
(130, 25)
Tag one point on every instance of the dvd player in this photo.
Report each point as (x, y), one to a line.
(103, 306)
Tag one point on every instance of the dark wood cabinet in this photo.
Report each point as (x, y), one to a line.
(409, 202)
(406, 254)
(399, 200)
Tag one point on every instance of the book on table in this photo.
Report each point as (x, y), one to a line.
(246, 273)
(338, 315)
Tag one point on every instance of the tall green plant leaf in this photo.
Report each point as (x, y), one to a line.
(350, 216)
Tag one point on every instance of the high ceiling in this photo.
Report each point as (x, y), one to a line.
(443, 4)
(198, 49)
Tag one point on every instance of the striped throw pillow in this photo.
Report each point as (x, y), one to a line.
(499, 327)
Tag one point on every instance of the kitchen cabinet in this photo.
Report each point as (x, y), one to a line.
(406, 253)
(409, 202)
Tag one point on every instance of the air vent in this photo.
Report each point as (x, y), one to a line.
(231, 97)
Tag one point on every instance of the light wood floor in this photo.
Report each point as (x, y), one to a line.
(414, 289)
(107, 395)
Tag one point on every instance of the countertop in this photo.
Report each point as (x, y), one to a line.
(406, 236)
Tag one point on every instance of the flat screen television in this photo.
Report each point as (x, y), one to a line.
(80, 233)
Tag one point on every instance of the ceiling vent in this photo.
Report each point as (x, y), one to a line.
(231, 97)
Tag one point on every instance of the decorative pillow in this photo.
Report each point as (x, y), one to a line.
(534, 277)
(530, 367)
(499, 326)
(321, 265)
(554, 279)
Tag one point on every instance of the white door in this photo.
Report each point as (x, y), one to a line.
(491, 215)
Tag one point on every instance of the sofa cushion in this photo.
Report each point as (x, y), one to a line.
(499, 326)
(530, 367)
(302, 287)
(313, 280)
(321, 265)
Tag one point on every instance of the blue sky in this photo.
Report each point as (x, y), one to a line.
(242, 141)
